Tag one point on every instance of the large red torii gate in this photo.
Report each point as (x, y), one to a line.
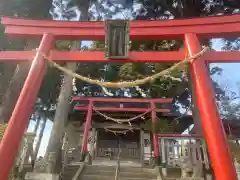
(189, 30)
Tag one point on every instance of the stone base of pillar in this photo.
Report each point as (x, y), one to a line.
(209, 177)
(83, 156)
(157, 161)
(90, 158)
(164, 171)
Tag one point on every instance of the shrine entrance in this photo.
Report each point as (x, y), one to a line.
(128, 144)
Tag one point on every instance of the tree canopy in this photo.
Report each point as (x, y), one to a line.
(141, 9)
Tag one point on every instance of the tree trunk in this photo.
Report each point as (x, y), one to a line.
(62, 110)
(37, 124)
(39, 139)
(15, 86)
(5, 78)
(61, 115)
(198, 129)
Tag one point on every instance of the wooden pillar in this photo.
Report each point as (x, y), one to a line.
(86, 129)
(23, 109)
(195, 110)
(92, 145)
(96, 144)
(142, 147)
(163, 157)
(155, 137)
(212, 125)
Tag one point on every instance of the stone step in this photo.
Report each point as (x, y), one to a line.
(108, 168)
(100, 177)
(70, 171)
(137, 174)
(92, 172)
(99, 172)
(71, 168)
(136, 178)
(99, 168)
(122, 174)
(96, 177)
(137, 170)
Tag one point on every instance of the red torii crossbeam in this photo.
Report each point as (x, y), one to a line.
(134, 57)
(189, 30)
(211, 27)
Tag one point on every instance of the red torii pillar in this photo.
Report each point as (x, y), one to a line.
(212, 125)
(23, 108)
(86, 129)
(155, 137)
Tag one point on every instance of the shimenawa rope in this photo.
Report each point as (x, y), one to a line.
(118, 131)
(124, 84)
(119, 121)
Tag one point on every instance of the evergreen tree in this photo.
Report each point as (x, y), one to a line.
(13, 75)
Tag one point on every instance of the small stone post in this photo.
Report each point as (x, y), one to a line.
(51, 162)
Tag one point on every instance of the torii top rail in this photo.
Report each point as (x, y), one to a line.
(211, 27)
(189, 30)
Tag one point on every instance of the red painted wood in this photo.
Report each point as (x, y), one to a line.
(167, 32)
(212, 125)
(22, 111)
(155, 57)
(134, 23)
(155, 137)
(151, 57)
(171, 56)
(14, 56)
(139, 29)
(179, 135)
(222, 57)
(86, 127)
(130, 100)
(110, 109)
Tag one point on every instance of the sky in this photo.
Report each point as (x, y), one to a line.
(229, 77)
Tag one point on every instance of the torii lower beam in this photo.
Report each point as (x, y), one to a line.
(112, 109)
(123, 100)
(140, 57)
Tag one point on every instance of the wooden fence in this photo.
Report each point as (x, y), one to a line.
(175, 150)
